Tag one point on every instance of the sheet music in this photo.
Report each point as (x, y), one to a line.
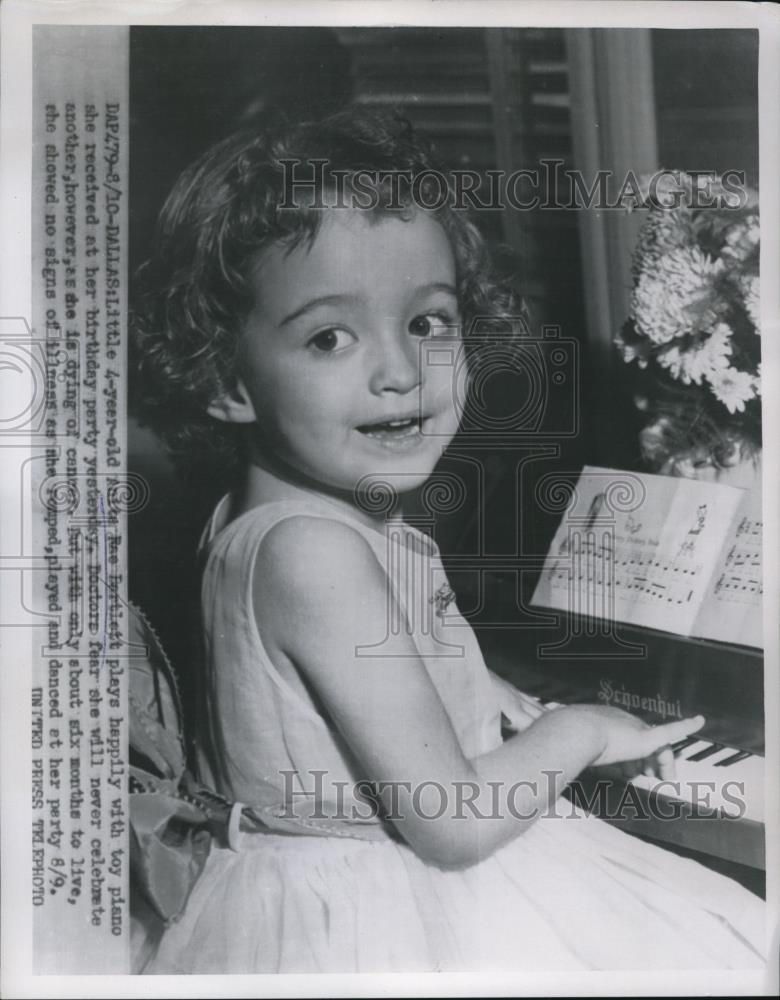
(732, 607)
(647, 561)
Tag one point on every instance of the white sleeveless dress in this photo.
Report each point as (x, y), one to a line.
(571, 893)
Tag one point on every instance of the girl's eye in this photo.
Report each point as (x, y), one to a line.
(432, 324)
(331, 340)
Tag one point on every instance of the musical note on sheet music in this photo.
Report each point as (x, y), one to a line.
(732, 608)
(658, 566)
(650, 579)
(741, 577)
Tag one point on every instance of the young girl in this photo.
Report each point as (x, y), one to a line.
(304, 339)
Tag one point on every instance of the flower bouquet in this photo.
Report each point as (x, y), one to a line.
(694, 327)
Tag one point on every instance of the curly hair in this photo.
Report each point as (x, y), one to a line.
(193, 295)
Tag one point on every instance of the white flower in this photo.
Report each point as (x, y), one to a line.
(674, 359)
(741, 239)
(672, 296)
(682, 294)
(654, 441)
(633, 352)
(701, 360)
(733, 388)
(663, 230)
(750, 287)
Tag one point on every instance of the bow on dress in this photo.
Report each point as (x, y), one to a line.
(173, 818)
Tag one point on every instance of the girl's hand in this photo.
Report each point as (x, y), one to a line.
(633, 744)
(519, 709)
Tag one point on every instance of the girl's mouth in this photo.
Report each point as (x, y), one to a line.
(390, 432)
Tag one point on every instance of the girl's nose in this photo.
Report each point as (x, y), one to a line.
(396, 365)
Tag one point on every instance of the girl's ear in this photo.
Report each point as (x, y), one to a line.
(233, 406)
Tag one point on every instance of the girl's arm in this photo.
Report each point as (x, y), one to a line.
(321, 602)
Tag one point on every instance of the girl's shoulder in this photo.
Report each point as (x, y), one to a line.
(306, 561)
(307, 545)
(290, 543)
(314, 538)
(291, 524)
(291, 567)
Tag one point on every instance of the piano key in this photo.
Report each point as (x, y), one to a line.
(693, 748)
(682, 744)
(731, 798)
(695, 760)
(725, 753)
(734, 758)
(704, 754)
(707, 808)
(699, 784)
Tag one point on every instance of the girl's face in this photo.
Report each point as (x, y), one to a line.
(349, 354)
